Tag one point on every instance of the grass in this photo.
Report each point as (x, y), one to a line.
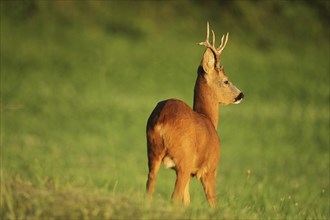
(79, 80)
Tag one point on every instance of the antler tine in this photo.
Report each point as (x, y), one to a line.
(223, 44)
(206, 42)
(213, 38)
(207, 32)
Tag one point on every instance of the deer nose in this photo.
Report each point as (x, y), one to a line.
(239, 97)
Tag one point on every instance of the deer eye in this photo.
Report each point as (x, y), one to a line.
(226, 82)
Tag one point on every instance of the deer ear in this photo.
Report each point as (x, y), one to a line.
(208, 61)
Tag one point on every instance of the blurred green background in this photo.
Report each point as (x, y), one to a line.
(80, 78)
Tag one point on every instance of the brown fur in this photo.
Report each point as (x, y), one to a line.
(186, 139)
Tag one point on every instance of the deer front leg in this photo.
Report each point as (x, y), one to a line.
(209, 182)
(181, 192)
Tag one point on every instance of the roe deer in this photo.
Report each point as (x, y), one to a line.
(186, 139)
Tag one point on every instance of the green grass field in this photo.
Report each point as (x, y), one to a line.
(79, 80)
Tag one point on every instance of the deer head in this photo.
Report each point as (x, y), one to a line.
(224, 91)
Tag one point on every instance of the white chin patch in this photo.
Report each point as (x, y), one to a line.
(238, 101)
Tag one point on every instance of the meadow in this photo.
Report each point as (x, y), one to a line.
(80, 78)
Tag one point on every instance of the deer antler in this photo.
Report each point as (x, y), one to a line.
(207, 44)
(216, 51)
(223, 44)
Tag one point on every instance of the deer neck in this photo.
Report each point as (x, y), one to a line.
(205, 101)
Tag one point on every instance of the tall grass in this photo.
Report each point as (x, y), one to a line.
(79, 80)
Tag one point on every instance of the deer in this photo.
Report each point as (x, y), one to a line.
(186, 139)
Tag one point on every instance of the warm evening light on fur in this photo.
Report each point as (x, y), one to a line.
(187, 137)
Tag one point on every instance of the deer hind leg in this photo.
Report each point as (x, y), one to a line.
(152, 175)
(209, 182)
(156, 152)
(181, 189)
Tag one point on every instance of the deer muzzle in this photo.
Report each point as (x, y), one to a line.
(239, 98)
